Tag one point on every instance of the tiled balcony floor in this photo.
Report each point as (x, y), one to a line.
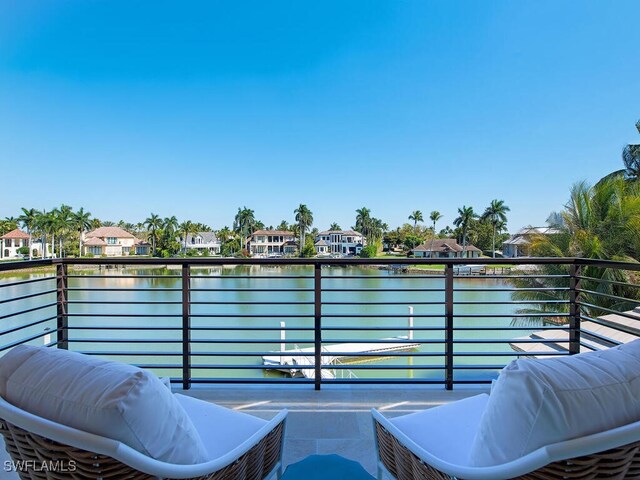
(333, 420)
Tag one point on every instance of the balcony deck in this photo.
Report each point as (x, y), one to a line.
(332, 420)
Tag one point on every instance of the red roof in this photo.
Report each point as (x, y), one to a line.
(94, 242)
(104, 232)
(17, 233)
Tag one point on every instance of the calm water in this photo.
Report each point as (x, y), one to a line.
(242, 321)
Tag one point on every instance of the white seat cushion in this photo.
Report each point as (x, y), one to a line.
(110, 399)
(221, 429)
(447, 431)
(538, 402)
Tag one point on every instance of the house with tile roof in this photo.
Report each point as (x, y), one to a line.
(11, 242)
(201, 242)
(344, 242)
(112, 242)
(266, 243)
(445, 248)
(519, 244)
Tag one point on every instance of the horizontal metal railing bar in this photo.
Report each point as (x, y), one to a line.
(163, 366)
(385, 277)
(616, 326)
(586, 345)
(215, 366)
(527, 289)
(251, 315)
(550, 327)
(21, 265)
(31, 295)
(597, 336)
(382, 315)
(27, 339)
(512, 315)
(24, 282)
(123, 276)
(406, 302)
(607, 295)
(251, 289)
(478, 367)
(611, 282)
(609, 310)
(29, 310)
(506, 354)
(159, 290)
(275, 381)
(195, 329)
(513, 302)
(504, 277)
(309, 354)
(107, 327)
(28, 325)
(461, 341)
(132, 315)
(358, 366)
(383, 381)
(120, 302)
(607, 264)
(234, 302)
(195, 276)
(177, 353)
(382, 289)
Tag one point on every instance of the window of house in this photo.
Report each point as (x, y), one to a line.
(112, 240)
(95, 250)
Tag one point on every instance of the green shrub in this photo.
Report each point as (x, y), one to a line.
(369, 251)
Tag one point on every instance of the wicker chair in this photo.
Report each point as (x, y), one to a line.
(613, 454)
(45, 450)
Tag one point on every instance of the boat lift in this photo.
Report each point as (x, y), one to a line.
(300, 361)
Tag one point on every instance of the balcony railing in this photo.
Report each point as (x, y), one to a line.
(319, 321)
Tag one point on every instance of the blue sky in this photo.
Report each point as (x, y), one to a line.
(196, 108)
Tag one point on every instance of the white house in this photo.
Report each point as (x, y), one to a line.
(201, 241)
(519, 244)
(112, 242)
(264, 243)
(345, 242)
(11, 242)
(445, 248)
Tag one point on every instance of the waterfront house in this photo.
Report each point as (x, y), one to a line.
(519, 244)
(263, 243)
(445, 248)
(322, 247)
(11, 242)
(201, 242)
(345, 242)
(112, 242)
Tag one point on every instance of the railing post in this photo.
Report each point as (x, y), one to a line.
(448, 334)
(62, 306)
(317, 327)
(186, 326)
(575, 271)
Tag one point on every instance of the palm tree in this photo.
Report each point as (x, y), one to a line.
(244, 222)
(28, 220)
(284, 226)
(496, 213)
(363, 221)
(187, 227)
(631, 159)
(434, 217)
(82, 222)
(334, 226)
(304, 217)
(153, 223)
(465, 215)
(416, 216)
